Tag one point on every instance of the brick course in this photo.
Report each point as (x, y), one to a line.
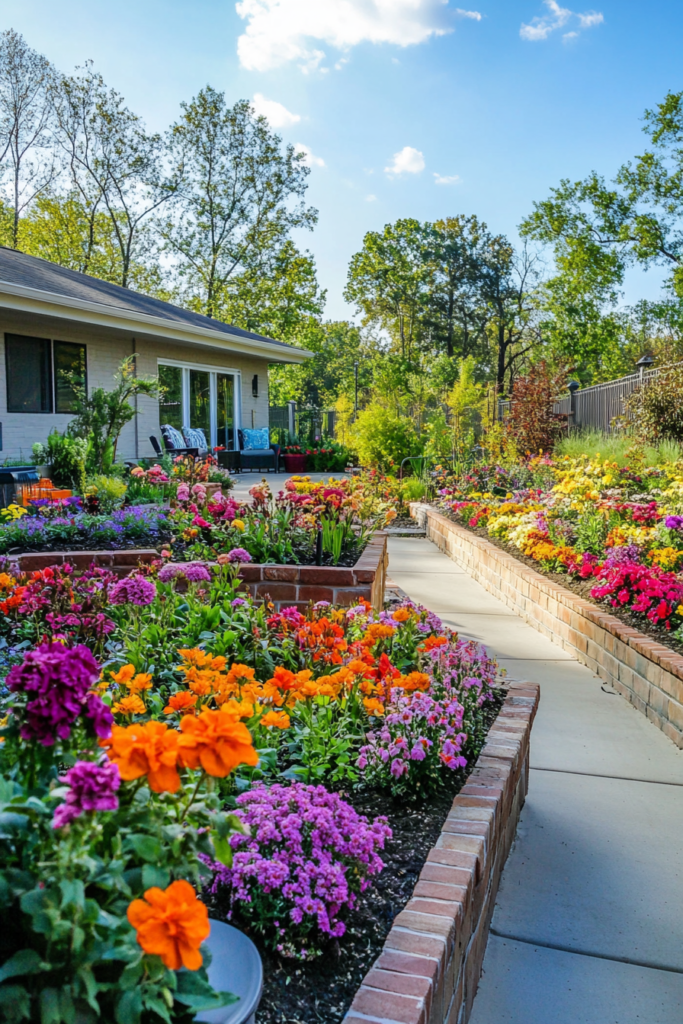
(282, 584)
(430, 966)
(645, 672)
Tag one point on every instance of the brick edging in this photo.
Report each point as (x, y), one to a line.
(645, 672)
(282, 584)
(430, 966)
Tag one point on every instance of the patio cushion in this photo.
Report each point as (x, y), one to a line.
(195, 438)
(255, 452)
(256, 440)
(173, 436)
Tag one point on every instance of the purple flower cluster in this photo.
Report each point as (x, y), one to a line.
(419, 730)
(238, 555)
(193, 572)
(674, 522)
(58, 681)
(92, 787)
(308, 849)
(133, 590)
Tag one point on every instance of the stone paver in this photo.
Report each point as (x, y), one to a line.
(587, 927)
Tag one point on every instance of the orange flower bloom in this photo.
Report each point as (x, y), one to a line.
(171, 923)
(240, 674)
(142, 681)
(431, 642)
(401, 615)
(276, 719)
(358, 667)
(239, 708)
(217, 742)
(373, 706)
(200, 685)
(130, 705)
(124, 675)
(149, 749)
(181, 701)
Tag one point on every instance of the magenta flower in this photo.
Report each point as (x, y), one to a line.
(196, 572)
(133, 590)
(92, 788)
(239, 555)
(58, 680)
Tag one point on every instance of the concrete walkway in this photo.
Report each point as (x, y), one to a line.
(588, 925)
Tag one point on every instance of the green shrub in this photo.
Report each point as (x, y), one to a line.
(109, 491)
(383, 439)
(66, 458)
(413, 490)
(657, 407)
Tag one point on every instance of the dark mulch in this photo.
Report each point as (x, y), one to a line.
(321, 991)
(580, 587)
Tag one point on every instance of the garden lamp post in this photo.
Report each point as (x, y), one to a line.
(572, 387)
(643, 363)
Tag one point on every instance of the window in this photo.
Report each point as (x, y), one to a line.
(201, 397)
(171, 402)
(42, 375)
(70, 375)
(29, 374)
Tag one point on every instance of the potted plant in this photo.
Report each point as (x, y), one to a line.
(294, 458)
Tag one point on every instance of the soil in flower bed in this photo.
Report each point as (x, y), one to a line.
(321, 991)
(582, 588)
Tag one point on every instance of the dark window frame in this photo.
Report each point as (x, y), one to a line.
(51, 370)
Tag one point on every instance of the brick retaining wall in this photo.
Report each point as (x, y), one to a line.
(284, 585)
(647, 673)
(431, 963)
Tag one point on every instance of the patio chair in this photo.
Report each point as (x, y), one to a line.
(169, 445)
(257, 452)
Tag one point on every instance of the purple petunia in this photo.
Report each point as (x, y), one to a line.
(133, 590)
(58, 680)
(92, 787)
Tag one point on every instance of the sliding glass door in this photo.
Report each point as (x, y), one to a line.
(201, 398)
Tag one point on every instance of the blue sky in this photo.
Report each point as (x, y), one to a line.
(498, 100)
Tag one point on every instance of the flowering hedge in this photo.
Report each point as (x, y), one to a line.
(591, 519)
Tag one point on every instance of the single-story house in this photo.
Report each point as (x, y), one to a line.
(58, 327)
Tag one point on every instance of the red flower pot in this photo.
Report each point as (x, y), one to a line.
(295, 463)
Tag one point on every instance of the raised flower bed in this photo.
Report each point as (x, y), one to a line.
(182, 710)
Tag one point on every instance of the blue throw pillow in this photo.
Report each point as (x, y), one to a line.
(256, 439)
(195, 438)
(173, 436)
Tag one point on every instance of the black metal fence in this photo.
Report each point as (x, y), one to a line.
(598, 407)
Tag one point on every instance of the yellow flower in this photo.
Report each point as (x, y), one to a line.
(238, 524)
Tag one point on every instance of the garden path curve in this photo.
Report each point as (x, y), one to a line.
(588, 926)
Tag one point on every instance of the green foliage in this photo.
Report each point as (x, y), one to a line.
(382, 438)
(66, 457)
(413, 489)
(657, 407)
(103, 414)
(109, 491)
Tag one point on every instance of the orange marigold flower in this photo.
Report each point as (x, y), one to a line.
(413, 681)
(124, 675)
(171, 923)
(240, 674)
(239, 708)
(401, 615)
(276, 719)
(195, 656)
(217, 742)
(358, 667)
(130, 705)
(181, 701)
(201, 686)
(431, 642)
(142, 681)
(6, 581)
(373, 706)
(150, 749)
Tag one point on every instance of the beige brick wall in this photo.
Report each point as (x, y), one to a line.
(105, 351)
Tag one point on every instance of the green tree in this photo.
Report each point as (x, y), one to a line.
(237, 201)
(387, 282)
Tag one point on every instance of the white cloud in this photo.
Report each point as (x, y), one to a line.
(274, 112)
(309, 159)
(446, 179)
(540, 28)
(370, 198)
(279, 31)
(407, 161)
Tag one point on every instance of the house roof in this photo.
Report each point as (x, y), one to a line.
(36, 285)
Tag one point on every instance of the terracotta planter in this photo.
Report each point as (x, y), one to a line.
(294, 463)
